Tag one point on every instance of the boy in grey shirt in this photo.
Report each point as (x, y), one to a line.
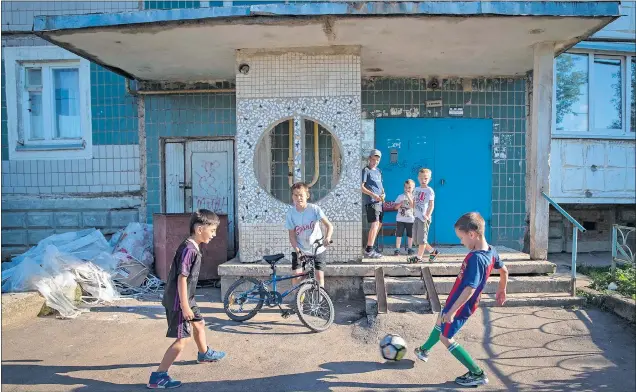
(373, 199)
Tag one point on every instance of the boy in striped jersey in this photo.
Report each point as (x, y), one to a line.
(464, 296)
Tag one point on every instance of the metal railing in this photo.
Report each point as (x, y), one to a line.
(576, 227)
(621, 250)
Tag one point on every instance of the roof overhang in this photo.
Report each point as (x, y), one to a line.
(402, 39)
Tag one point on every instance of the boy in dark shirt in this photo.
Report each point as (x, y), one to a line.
(182, 313)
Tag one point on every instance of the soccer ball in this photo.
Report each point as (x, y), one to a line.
(393, 347)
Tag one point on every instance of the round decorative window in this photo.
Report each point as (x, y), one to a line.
(286, 154)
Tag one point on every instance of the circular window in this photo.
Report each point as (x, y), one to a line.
(319, 164)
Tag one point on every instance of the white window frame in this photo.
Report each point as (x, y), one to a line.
(591, 132)
(16, 60)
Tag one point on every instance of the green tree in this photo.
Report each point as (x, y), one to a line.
(569, 82)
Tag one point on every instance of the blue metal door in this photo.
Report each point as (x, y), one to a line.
(459, 153)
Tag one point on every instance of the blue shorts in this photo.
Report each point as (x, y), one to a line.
(450, 329)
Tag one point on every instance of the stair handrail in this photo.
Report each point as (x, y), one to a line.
(576, 227)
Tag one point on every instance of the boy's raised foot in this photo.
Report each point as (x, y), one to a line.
(421, 354)
(210, 356)
(472, 380)
(161, 380)
(433, 255)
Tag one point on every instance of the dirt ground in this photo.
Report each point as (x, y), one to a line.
(522, 349)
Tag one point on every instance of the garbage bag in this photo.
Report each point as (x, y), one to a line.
(136, 243)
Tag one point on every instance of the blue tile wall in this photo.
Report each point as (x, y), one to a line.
(501, 99)
(188, 115)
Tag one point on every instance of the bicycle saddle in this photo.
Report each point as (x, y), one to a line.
(273, 259)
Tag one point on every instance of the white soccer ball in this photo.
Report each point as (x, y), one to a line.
(393, 347)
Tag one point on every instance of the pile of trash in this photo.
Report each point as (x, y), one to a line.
(63, 265)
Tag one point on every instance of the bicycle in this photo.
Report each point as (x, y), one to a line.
(312, 301)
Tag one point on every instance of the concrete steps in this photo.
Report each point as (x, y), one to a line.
(529, 299)
(399, 304)
(443, 285)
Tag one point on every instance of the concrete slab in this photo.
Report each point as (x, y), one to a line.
(441, 268)
(522, 349)
(448, 254)
(399, 304)
(443, 285)
(18, 308)
(529, 299)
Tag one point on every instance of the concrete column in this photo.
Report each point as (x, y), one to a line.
(539, 153)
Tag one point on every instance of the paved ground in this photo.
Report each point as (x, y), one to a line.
(524, 349)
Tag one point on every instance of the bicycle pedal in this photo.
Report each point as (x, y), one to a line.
(287, 313)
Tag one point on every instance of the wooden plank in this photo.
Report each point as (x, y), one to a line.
(433, 298)
(380, 291)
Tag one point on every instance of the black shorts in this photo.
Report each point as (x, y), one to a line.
(179, 327)
(320, 262)
(401, 226)
(375, 212)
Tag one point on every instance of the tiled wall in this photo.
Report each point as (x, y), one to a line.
(503, 100)
(324, 87)
(187, 115)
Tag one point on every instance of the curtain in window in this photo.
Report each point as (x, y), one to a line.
(67, 117)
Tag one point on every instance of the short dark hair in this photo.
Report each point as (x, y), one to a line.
(300, 185)
(471, 221)
(203, 218)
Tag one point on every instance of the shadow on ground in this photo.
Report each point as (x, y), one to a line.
(551, 350)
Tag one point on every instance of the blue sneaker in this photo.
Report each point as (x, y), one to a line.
(161, 380)
(210, 356)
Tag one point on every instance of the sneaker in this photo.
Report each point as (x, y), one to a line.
(210, 356)
(433, 255)
(421, 354)
(413, 260)
(161, 380)
(472, 380)
(372, 254)
(410, 251)
(396, 252)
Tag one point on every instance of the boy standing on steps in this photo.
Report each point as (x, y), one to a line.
(182, 313)
(373, 199)
(424, 197)
(464, 296)
(405, 218)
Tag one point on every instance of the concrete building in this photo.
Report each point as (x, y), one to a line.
(233, 101)
(592, 162)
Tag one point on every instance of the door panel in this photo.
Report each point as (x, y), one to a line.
(175, 177)
(458, 151)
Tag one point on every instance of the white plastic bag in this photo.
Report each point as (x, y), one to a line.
(136, 243)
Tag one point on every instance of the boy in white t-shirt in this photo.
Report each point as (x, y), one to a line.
(424, 197)
(405, 218)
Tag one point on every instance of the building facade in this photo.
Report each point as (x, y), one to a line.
(592, 164)
(289, 91)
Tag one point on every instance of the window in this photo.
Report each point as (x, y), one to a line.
(49, 116)
(594, 95)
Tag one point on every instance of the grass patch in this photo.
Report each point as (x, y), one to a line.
(602, 276)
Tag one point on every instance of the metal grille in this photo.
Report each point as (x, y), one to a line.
(279, 141)
(325, 180)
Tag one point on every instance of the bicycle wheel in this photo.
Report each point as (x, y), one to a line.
(314, 307)
(238, 298)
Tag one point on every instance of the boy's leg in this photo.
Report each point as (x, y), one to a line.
(321, 278)
(422, 351)
(171, 355)
(374, 217)
(205, 353)
(476, 375)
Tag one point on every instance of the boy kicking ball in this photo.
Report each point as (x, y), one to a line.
(464, 296)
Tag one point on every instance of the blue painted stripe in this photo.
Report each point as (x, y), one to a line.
(504, 8)
(627, 47)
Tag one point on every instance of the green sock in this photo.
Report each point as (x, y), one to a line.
(432, 339)
(463, 357)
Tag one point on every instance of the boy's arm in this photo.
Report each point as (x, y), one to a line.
(503, 283)
(461, 300)
(182, 288)
(329, 227)
(429, 212)
(293, 241)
